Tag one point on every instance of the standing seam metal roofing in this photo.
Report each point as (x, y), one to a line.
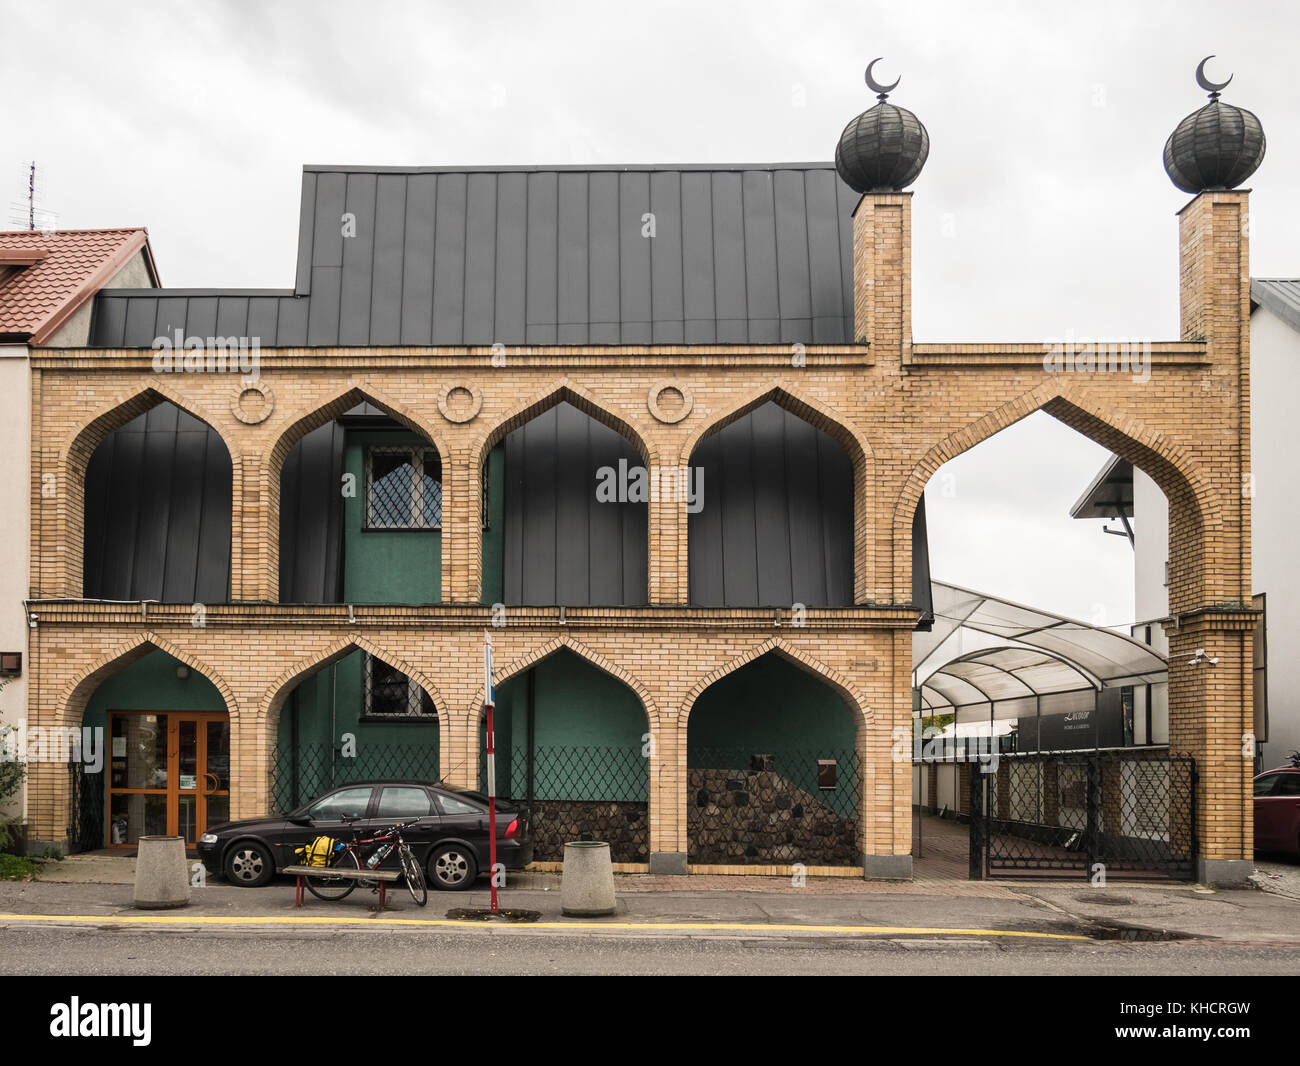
(546, 255)
(1279, 295)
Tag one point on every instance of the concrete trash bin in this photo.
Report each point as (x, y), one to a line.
(162, 874)
(587, 884)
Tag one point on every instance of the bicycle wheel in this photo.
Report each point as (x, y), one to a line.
(322, 886)
(414, 876)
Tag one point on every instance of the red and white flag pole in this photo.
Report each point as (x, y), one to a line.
(489, 704)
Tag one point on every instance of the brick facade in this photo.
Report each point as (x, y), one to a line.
(899, 409)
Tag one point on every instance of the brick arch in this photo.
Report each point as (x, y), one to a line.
(339, 401)
(70, 497)
(840, 429)
(545, 651)
(835, 425)
(278, 691)
(72, 704)
(794, 655)
(1194, 503)
(563, 391)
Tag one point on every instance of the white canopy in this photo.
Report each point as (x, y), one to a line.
(982, 650)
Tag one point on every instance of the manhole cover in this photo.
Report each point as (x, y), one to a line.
(1104, 898)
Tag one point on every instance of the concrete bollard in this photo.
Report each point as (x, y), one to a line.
(587, 884)
(162, 874)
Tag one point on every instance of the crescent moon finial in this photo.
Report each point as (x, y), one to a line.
(875, 86)
(1211, 87)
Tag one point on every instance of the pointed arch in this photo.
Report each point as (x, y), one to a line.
(278, 691)
(563, 391)
(845, 433)
(72, 704)
(834, 424)
(124, 409)
(545, 651)
(796, 656)
(1172, 468)
(339, 402)
(67, 568)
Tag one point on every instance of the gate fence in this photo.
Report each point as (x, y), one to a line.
(580, 793)
(773, 808)
(86, 830)
(1131, 813)
(297, 777)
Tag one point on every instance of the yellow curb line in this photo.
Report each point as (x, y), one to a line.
(760, 927)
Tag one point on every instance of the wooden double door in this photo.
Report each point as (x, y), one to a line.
(169, 774)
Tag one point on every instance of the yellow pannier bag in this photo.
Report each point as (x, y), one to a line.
(319, 852)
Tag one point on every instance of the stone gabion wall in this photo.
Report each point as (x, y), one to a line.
(625, 826)
(760, 818)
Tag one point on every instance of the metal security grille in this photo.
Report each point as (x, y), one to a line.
(300, 776)
(759, 809)
(389, 692)
(86, 830)
(1127, 813)
(579, 793)
(403, 488)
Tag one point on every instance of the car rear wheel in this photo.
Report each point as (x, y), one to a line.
(452, 868)
(249, 864)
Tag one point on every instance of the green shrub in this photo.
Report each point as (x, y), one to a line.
(17, 868)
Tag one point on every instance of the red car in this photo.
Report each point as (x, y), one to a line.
(1277, 809)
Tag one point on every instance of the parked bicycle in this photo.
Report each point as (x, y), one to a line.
(348, 856)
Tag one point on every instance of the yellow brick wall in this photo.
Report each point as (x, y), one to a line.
(899, 409)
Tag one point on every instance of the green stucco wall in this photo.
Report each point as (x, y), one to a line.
(589, 730)
(772, 707)
(387, 566)
(151, 684)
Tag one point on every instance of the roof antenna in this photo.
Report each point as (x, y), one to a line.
(27, 212)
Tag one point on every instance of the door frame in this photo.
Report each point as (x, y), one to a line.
(172, 791)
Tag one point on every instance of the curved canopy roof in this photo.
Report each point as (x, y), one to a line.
(982, 649)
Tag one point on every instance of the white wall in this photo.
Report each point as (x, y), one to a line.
(1275, 518)
(1275, 534)
(15, 444)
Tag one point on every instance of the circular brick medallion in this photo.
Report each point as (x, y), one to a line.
(669, 401)
(460, 403)
(253, 403)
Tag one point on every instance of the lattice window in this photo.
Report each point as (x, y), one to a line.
(485, 514)
(403, 488)
(389, 693)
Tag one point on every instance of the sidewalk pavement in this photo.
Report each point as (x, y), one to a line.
(97, 889)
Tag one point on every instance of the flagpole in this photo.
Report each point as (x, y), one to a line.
(489, 703)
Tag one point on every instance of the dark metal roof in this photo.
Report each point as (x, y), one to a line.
(1111, 493)
(546, 255)
(1279, 295)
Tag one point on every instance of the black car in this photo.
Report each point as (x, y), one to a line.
(450, 839)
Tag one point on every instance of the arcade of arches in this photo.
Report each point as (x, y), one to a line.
(896, 410)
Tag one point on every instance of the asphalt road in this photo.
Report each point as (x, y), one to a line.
(111, 951)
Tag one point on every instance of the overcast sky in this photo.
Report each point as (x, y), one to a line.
(1043, 208)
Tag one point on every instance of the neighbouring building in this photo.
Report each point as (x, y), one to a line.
(48, 280)
(663, 432)
(1120, 492)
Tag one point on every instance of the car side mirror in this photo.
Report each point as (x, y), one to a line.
(299, 819)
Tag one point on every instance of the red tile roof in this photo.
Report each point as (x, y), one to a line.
(67, 268)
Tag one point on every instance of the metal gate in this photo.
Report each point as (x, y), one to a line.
(86, 830)
(1129, 813)
(772, 809)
